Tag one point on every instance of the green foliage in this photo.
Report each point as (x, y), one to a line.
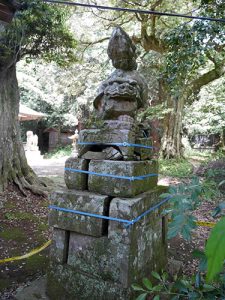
(210, 190)
(179, 288)
(215, 249)
(39, 30)
(175, 168)
(60, 152)
(212, 182)
(184, 200)
(207, 113)
(154, 112)
(191, 44)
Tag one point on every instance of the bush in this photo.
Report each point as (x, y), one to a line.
(59, 152)
(175, 168)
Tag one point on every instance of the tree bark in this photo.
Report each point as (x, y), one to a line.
(13, 163)
(171, 146)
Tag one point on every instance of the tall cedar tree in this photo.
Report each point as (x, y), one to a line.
(38, 30)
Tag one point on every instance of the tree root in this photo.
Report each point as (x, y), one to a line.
(35, 187)
(20, 186)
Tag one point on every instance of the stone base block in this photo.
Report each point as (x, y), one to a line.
(126, 255)
(118, 186)
(123, 256)
(80, 201)
(75, 180)
(106, 135)
(65, 283)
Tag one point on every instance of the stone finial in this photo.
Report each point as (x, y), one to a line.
(125, 91)
(122, 51)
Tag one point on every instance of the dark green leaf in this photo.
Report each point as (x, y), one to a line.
(142, 296)
(165, 195)
(208, 287)
(198, 253)
(147, 283)
(194, 295)
(156, 275)
(180, 286)
(137, 287)
(157, 288)
(215, 249)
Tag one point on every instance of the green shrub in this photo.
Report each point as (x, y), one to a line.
(175, 168)
(59, 152)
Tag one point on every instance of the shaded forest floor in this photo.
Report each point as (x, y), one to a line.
(24, 227)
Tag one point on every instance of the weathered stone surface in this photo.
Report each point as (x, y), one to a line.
(65, 283)
(59, 246)
(76, 180)
(119, 124)
(94, 155)
(127, 254)
(121, 50)
(99, 257)
(36, 290)
(112, 153)
(144, 153)
(106, 135)
(80, 201)
(123, 187)
(146, 238)
(104, 258)
(114, 108)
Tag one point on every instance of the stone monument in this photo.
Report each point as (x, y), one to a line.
(31, 148)
(74, 138)
(113, 177)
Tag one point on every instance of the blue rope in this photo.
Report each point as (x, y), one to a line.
(127, 222)
(131, 178)
(125, 144)
(77, 212)
(149, 210)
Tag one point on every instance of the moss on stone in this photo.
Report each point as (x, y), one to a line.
(37, 295)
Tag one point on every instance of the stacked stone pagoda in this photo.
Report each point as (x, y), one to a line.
(94, 258)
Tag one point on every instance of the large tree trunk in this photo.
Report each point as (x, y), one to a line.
(171, 146)
(171, 142)
(13, 163)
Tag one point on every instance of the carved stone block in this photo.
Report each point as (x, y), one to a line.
(76, 180)
(144, 153)
(119, 186)
(80, 201)
(104, 136)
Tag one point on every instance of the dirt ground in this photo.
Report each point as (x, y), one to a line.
(24, 227)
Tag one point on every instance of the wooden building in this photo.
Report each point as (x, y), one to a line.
(7, 10)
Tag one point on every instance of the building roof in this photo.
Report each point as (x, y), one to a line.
(27, 114)
(7, 10)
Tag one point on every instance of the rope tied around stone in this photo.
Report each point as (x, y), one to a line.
(127, 222)
(131, 178)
